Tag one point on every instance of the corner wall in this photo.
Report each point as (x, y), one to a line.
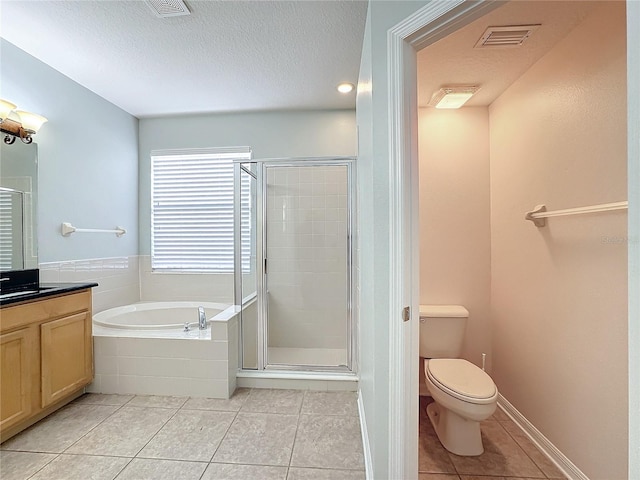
(559, 293)
(87, 160)
(455, 233)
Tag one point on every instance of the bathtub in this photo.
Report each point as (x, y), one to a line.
(158, 316)
(143, 349)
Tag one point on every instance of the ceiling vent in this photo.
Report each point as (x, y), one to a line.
(168, 8)
(509, 36)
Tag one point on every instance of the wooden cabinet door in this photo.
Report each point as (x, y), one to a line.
(66, 356)
(15, 379)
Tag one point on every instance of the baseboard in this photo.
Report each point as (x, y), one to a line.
(368, 465)
(544, 445)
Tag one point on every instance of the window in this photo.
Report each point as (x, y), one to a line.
(192, 209)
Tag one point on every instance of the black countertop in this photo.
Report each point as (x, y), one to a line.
(44, 290)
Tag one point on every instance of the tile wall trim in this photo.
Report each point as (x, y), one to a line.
(544, 445)
(366, 447)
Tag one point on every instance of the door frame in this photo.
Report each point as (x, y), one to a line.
(430, 23)
(427, 25)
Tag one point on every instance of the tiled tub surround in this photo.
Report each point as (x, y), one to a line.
(126, 280)
(177, 286)
(168, 362)
(117, 278)
(257, 434)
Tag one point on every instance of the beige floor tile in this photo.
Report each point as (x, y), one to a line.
(124, 433)
(157, 401)
(485, 477)
(227, 471)
(267, 400)
(232, 405)
(103, 399)
(190, 435)
(58, 431)
(500, 415)
(21, 465)
(330, 403)
(432, 456)
(328, 442)
(540, 459)
(438, 476)
(82, 467)
(146, 469)
(502, 456)
(296, 473)
(258, 439)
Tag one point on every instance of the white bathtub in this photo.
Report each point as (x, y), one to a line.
(144, 349)
(157, 315)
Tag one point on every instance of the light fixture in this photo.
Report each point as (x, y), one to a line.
(28, 124)
(345, 87)
(452, 96)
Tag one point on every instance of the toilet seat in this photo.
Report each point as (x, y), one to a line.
(462, 380)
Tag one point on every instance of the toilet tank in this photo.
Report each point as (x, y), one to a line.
(442, 330)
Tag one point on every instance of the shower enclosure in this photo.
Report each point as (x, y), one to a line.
(293, 263)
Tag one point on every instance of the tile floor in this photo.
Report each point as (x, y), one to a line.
(257, 434)
(508, 454)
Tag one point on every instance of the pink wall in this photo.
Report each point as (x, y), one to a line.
(454, 218)
(559, 293)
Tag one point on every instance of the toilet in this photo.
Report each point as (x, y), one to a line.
(463, 393)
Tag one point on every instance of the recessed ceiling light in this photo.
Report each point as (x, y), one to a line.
(345, 87)
(453, 96)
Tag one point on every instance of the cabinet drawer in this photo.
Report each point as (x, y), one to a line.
(41, 310)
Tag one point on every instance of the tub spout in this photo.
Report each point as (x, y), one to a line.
(202, 319)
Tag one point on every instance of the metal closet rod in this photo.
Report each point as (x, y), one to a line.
(67, 229)
(539, 213)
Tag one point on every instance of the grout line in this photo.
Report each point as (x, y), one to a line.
(45, 465)
(158, 431)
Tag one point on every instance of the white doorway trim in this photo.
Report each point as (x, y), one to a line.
(434, 21)
(427, 25)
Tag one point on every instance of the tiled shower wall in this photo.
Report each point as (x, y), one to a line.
(307, 256)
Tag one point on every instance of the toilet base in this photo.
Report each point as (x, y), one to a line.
(458, 435)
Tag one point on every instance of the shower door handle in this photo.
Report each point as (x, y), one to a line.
(265, 266)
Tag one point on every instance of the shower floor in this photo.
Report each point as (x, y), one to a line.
(307, 356)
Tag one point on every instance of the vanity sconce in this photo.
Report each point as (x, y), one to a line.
(27, 125)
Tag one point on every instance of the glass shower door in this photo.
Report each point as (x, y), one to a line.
(307, 266)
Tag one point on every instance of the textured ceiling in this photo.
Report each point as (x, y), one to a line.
(454, 60)
(225, 56)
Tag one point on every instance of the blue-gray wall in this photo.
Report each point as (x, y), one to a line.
(88, 160)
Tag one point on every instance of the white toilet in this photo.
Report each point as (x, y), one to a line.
(463, 394)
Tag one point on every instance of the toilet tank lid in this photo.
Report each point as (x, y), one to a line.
(434, 311)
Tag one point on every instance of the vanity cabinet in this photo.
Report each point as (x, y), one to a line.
(47, 357)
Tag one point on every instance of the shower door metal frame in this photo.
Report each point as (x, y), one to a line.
(263, 314)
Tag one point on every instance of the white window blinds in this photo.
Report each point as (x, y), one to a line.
(192, 208)
(6, 230)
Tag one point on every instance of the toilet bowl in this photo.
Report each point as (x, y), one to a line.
(463, 395)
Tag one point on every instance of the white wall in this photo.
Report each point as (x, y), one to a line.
(559, 293)
(373, 234)
(88, 160)
(633, 182)
(455, 249)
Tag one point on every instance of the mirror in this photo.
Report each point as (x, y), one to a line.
(18, 200)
